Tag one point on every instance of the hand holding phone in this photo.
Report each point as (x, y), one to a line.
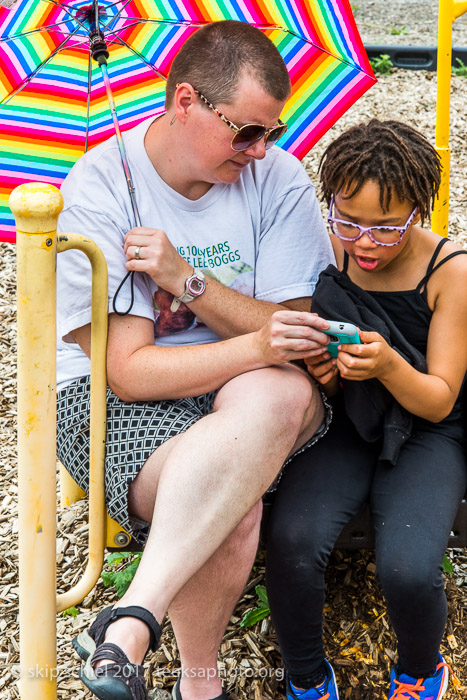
(341, 333)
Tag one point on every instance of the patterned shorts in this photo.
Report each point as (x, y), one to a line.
(134, 432)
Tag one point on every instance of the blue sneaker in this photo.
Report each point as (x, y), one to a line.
(405, 687)
(326, 691)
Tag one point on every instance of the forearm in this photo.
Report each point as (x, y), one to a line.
(229, 313)
(424, 395)
(153, 373)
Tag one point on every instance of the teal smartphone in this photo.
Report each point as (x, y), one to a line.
(341, 333)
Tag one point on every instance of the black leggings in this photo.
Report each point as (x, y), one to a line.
(414, 505)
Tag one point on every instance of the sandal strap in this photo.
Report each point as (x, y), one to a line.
(120, 667)
(176, 694)
(108, 615)
(144, 615)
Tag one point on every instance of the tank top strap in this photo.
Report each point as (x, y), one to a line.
(431, 265)
(346, 262)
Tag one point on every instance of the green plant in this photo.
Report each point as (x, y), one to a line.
(382, 64)
(461, 69)
(354, 7)
(260, 612)
(70, 611)
(122, 578)
(396, 32)
(447, 565)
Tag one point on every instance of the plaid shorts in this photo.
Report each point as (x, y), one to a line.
(134, 432)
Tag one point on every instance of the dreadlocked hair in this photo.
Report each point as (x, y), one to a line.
(392, 154)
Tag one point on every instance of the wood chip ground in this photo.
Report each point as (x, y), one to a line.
(358, 635)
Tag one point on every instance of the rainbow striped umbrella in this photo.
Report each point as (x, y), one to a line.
(53, 99)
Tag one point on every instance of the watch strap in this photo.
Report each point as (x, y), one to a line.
(187, 295)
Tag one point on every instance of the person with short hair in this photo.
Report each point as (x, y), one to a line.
(397, 439)
(203, 405)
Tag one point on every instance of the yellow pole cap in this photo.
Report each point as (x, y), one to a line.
(36, 206)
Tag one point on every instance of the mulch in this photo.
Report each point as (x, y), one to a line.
(358, 635)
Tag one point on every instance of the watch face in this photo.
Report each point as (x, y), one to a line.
(196, 286)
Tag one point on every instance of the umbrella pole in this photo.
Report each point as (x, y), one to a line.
(449, 10)
(36, 207)
(126, 168)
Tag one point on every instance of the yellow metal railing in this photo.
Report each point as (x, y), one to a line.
(449, 10)
(36, 207)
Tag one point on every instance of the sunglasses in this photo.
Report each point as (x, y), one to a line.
(249, 134)
(381, 235)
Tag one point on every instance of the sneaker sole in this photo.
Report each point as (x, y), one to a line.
(445, 684)
(335, 682)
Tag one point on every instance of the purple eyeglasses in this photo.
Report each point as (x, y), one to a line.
(381, 235)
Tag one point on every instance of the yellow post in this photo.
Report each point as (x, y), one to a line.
(449, 10)
(99, 318)
(36, 207)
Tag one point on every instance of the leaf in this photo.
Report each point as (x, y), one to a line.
(70, 611)
(253, 616)
(116, 557)
(262, 594)
(447, 565)
(121, 579)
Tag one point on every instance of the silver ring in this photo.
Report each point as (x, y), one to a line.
(137, 249)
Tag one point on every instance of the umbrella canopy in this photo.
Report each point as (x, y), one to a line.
(53, 101)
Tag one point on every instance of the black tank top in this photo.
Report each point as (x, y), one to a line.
(410, 312)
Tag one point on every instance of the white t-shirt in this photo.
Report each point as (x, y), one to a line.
(262, 236)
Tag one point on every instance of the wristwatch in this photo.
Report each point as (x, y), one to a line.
(194, 287)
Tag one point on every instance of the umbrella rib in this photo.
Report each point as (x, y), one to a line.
(141, 57)
(321, 48)
(36, 70)
(112, 19)
(88, 101)
(62, 7)
(146, 20)
(32, 31)
(190, 23)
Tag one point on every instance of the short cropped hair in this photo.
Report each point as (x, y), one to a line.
(214, 58)
(394, 155)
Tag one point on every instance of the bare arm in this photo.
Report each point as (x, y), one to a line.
(140, 371)
(229, 313)
(432, 395)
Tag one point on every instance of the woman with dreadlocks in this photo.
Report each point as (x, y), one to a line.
(380, 180)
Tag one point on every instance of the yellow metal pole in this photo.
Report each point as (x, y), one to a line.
(99, 319)
(36, 207)
(448, 11)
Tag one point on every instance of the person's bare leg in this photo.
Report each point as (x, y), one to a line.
(201, 610)
(208, 480)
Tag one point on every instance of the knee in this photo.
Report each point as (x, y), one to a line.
(408, 578)
(291, 396)
(300, 543)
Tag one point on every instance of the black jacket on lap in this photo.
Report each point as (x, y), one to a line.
(372, 409)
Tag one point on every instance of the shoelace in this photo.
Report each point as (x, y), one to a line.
(409, 690)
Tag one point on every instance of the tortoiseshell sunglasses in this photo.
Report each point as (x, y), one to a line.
(249, 134)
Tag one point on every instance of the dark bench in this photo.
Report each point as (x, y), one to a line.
(359, 532)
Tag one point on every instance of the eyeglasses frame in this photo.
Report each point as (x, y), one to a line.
(368, 229)
(236, 128)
